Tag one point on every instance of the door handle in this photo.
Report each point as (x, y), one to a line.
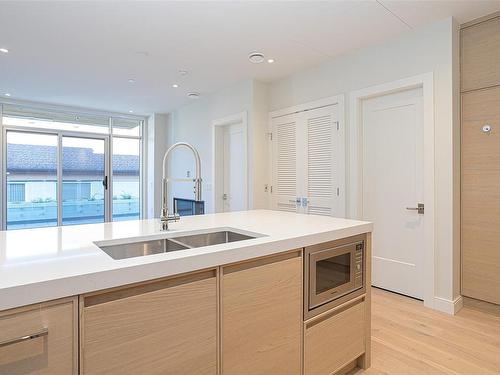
(296, 201)
(105, 182)
(419, 208)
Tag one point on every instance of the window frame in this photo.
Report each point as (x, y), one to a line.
(69, 133)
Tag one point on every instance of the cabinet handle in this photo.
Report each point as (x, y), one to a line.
(43, 332)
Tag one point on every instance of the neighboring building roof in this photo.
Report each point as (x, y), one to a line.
(76, 160)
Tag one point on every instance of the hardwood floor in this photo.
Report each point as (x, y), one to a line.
(409, 339)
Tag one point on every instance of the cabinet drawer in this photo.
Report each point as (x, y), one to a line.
(39, 339)
(333, 341)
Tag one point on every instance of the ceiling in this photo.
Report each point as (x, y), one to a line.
(83, 53)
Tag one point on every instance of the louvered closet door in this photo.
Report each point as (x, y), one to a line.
(285, 163)
(320, 180)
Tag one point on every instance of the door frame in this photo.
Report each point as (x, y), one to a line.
(241, 117)
(60, 134)
(338, 100)
(356, 147)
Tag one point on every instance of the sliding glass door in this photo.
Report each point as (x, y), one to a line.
(55, 179)
(84, 181)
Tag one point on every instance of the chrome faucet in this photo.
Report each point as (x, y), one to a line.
(166, 217)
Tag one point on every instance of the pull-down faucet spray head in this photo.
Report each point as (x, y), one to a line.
(165, 214)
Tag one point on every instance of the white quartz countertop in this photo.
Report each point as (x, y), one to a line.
(48, 263)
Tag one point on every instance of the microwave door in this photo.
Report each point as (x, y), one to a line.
(331, 274)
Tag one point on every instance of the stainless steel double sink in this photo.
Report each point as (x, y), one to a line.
(164, 245)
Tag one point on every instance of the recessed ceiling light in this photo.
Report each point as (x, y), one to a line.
(175, 85)
(193, 95)
(256, 57)
(4, 50)
(131, 80)
(130, 111)
(270, 61)
(7, 94)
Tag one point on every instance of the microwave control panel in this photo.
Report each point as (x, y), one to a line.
(358, 265)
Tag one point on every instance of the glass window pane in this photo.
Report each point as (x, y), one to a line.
(82, 180)
(126, 179)
(122, 126)
(46, 119)
(31, 180)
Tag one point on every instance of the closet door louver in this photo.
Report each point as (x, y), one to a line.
(321, 164)
(285, 163)
(305, 161)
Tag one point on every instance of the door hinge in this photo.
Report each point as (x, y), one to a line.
(271, 189)
(338, 126)
(270, 136)
(338, 191)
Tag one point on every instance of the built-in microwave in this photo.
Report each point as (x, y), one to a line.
(334, 273)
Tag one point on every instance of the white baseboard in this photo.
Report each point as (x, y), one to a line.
(448, 306)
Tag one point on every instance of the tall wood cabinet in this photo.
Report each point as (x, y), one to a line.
(480, 164)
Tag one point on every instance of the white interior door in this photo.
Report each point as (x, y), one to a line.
(233, 169)
(285, 190)
(321, 159)
(392, 183)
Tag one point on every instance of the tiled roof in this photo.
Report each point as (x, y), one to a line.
(34, 158)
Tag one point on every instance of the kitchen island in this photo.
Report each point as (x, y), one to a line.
(233, 308)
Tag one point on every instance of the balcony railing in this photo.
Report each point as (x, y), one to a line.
(44, 214)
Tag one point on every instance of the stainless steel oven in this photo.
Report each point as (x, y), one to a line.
(334, 273)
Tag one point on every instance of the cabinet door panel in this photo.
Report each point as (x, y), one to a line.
(481, 55)
(481, 195)
(170, 330)
(53, 352)
(261, 319)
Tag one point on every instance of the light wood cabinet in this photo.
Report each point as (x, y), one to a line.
(480, 52)
(261, 307)
(40, 339)
(334, 339)
(481, 195)
(162, 327)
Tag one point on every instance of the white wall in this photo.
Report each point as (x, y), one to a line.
(193, 124)
(158, 134)
(432, 48)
